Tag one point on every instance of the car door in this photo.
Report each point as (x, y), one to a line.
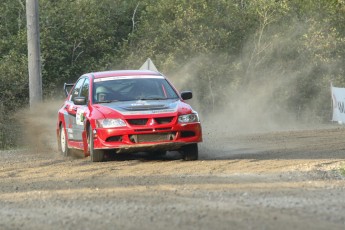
(78, 128)
(73, 123)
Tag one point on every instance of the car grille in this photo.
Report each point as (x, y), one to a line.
(164, 120)
(137, 121)
(152, 130)
(143, 121)
(155, 137)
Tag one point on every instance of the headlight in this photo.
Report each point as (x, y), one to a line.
(188, 118)
(110, 123)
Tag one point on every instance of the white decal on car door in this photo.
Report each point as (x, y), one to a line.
(80, 116)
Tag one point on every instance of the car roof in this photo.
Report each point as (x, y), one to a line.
(115, 73)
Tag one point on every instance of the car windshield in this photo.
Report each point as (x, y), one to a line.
(112, 89)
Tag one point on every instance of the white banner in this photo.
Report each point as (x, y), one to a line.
(338, 98)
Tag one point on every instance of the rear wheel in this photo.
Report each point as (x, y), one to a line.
(190, 152)
(63, 142)
(96, 155)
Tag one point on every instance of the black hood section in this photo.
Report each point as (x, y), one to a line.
(145, 106)
(141, 107)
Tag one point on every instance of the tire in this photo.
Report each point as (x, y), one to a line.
(96, 155)
(190, 152)
(65, 151)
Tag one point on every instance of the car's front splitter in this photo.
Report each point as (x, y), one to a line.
(148, 147)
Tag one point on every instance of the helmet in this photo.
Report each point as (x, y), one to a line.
(102, 93)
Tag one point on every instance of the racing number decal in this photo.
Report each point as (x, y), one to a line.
(80, 116)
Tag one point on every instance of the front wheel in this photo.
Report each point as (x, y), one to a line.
(96, 155)
(190, 152)
(63, 142)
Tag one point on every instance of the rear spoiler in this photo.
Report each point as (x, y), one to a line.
(67, 88)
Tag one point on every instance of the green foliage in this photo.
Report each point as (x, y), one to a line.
(80, 36)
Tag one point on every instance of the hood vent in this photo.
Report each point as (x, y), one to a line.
(144, 107)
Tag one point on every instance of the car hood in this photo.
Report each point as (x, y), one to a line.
(143, 107)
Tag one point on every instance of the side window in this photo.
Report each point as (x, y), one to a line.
(85, 89)
(76, 89)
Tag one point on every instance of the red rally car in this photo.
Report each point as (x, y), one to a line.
(127, 111)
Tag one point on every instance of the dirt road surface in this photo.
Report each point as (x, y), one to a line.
(272, 180)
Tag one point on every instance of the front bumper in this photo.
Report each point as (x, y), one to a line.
(148, 138)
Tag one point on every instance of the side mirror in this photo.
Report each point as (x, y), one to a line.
(79, 100)
(186, 95)
(67, 88)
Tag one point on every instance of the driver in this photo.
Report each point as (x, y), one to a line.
(102, 94)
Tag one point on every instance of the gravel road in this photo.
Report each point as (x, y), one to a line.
(268, 180)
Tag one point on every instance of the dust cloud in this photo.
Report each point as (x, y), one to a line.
(247, 109)
(256, 90)
(39, 127)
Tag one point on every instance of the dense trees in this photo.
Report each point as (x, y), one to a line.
(274, 57)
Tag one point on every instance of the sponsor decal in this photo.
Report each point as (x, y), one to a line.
(80, 116)
(341, 107)
(338, 105)
(149, 111)
(126, 77)
(70, 122)
(338, 99)
(140, 103)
